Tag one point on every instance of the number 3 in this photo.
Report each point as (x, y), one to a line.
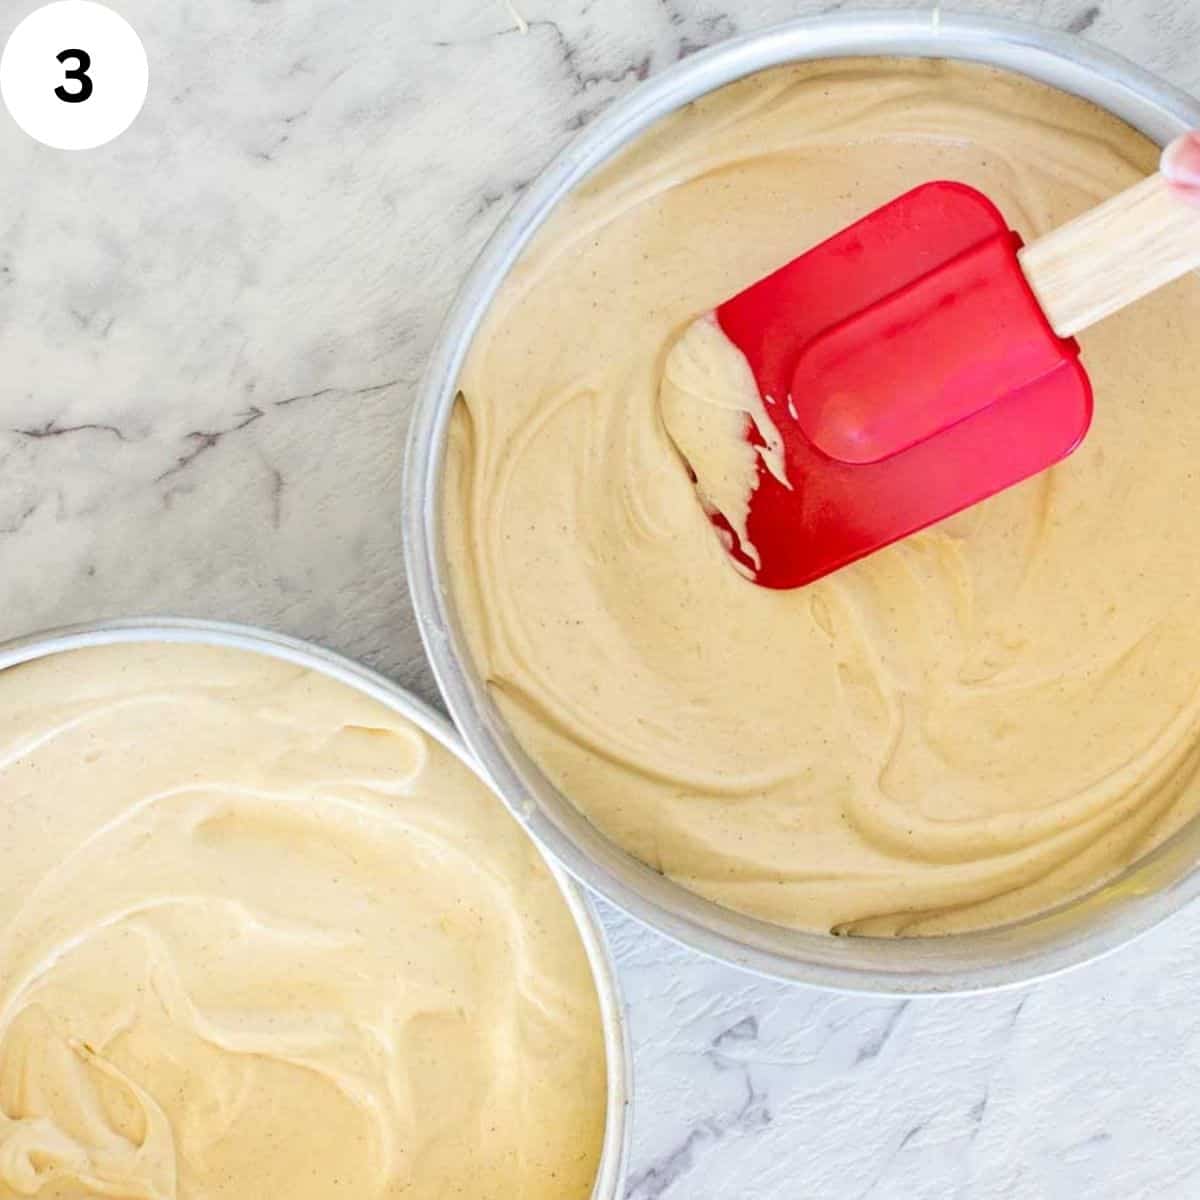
(79, 73)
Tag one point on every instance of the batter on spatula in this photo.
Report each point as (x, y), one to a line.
(914, 364)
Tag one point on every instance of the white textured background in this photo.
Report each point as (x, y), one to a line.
(211, 331)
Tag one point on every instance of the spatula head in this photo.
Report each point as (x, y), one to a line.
(910, 373)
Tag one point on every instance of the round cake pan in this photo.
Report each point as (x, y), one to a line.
(610, 1176)
(1083, 929)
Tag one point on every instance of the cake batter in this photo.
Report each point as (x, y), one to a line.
(261, 937)
(959, 731)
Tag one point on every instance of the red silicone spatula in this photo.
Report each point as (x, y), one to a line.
(923, 359)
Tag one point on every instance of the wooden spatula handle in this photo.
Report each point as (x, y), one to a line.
(1113, 255)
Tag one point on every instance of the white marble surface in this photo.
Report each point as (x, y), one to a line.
(211, 331)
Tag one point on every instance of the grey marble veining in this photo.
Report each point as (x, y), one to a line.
(1078, 1087)
(212, 329)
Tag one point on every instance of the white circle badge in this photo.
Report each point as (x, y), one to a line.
(74, 75)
